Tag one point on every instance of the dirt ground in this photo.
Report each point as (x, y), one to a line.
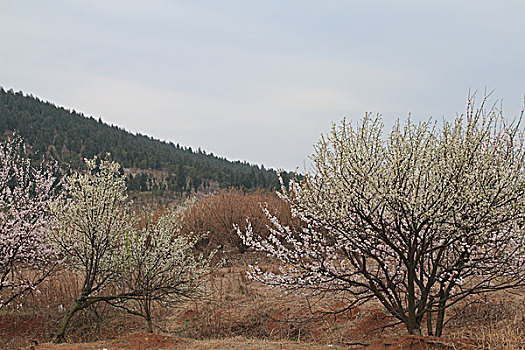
(140, 341)
(154, 341)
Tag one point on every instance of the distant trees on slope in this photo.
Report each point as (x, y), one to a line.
(70, 137)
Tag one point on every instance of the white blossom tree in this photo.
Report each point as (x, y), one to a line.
(417, 220)
(25, 191)
(161, 264)
(92, 219)
(121, 264)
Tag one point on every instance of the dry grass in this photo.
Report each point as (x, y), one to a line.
(237, 306)
(243, 343)
(148, 341)
(491, 322)
(36, 316)
(238, 313)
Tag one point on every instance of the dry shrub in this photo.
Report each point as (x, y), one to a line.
(35, 316)
(233, 307)
(217, 213)
(53, 295)
(506, 336)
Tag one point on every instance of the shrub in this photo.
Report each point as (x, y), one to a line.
(216, 214)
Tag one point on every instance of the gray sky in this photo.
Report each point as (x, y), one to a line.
(261, 80)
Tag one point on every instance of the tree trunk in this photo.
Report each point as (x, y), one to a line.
(414, 329)
(429, 306)
(59, 336)
(413, 324)
(147, 309)
(429, 323)
(150, 324)
(440, 320)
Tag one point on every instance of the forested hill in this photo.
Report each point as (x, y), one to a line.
(69, 137)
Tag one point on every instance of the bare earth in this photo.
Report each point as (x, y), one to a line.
(140, 341)
(155, 341)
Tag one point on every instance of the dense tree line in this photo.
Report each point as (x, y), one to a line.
(69, 137)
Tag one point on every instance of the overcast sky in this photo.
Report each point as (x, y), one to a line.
(261, 80)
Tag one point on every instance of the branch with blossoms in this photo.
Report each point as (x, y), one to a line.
(161, 266)
(91, 220)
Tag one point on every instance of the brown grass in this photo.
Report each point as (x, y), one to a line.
(35, 317)
(491, 322)
(147, 341)
(238, 313)
(237, 306)
(216, 214)
(243, 343)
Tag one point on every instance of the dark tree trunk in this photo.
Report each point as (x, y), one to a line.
(147, 312)
(430, 331)
(59, 336)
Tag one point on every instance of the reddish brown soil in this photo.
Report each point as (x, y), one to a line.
(143, 341)
(412, 342)
(136, 341)
(22, 329)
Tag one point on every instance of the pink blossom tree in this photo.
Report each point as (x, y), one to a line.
(25, 193)
(418, 220)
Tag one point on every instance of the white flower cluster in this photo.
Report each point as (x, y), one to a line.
(92, 219)
(161, 264)
(98, 236)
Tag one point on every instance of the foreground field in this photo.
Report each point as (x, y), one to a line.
(238, 313)
(154, 341)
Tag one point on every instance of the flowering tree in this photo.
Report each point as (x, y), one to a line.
(418, 220)
(120, 264)
(25, 191)
(92, 218)
(161, 265)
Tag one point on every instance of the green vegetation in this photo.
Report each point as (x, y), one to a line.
(69, 137)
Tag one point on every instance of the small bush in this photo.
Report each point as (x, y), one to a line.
(218, 213)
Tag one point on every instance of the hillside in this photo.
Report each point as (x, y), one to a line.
(69, 136)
